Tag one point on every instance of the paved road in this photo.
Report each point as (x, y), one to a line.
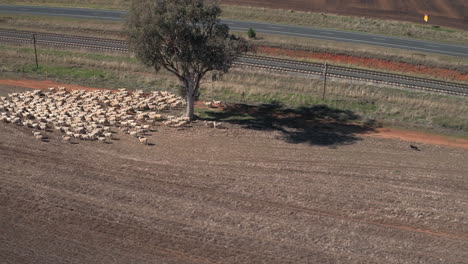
(326, 34)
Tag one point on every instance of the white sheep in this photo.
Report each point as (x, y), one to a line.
(108, 135)
(76, 113)
(143, 140)
(218, 125)
(66, 139)
(133, 133)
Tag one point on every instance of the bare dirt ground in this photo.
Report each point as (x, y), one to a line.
(202, 195)
(441, 12)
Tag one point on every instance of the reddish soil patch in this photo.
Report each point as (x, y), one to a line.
(419, 137)
(381, 132)
(441, 12)
(367, 62)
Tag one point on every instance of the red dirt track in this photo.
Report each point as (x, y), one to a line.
(441, 12)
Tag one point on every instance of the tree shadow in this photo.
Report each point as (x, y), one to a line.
(316, 125)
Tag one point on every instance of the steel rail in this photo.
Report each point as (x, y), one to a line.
(307, 72)
(354, 70)
(252, 61)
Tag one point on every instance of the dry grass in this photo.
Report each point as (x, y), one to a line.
(373, 102)
(61, 25)
(98, 4)
(110, 70)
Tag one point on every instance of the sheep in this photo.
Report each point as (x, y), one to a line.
(143, 140)
(66, 139)
(79, 130)
(76, 113)
(133, 133)
(209, 124)
(218, 125)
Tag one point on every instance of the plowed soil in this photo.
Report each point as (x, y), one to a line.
(441, 12)
(203, 195)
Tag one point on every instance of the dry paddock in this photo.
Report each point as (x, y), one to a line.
(202, 195)
(441, 12)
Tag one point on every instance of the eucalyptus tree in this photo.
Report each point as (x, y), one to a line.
(186, 38)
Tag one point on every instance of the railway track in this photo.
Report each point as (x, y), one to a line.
(252, 61)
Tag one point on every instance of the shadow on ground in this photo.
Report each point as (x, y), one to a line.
(317, 125)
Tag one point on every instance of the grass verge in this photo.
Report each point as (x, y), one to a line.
(371, 102)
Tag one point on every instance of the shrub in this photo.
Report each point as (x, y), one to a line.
(251, 33)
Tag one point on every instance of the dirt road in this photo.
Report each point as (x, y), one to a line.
(204, 195)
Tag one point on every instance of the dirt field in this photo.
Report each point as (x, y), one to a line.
(441, 12)
(240, 195)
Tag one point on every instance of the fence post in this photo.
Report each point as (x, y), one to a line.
(35, 50)
(324, 80)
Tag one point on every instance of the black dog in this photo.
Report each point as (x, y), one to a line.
(414, 148)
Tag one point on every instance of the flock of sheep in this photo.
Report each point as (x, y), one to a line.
(82, 115)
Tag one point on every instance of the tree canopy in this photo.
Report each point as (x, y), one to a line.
(185, 37)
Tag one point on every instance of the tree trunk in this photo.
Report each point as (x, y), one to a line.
(190, 99)
(190, 105)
